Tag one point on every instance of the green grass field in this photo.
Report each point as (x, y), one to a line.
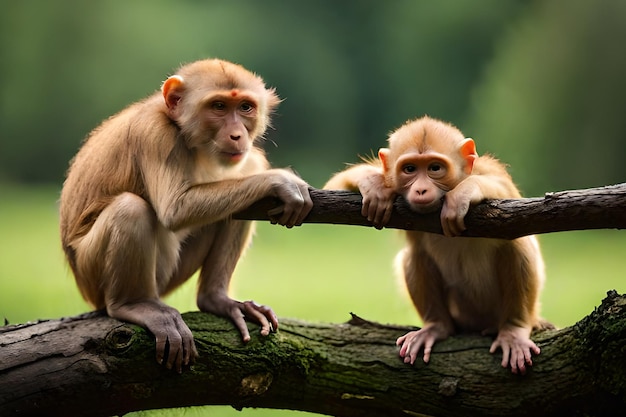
(314, 273)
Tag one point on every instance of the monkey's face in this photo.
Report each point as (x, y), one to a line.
(229, 125)
(423, 179)
(220, 108)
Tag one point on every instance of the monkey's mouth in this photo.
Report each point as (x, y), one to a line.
(233, 157)
(424, 208)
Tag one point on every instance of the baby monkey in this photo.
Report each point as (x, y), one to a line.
(457, 284)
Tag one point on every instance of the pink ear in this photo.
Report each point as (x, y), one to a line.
(468, 152)
(383, 155)
(171, 90)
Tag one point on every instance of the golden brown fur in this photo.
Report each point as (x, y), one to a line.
(148, 200)
(456, 283)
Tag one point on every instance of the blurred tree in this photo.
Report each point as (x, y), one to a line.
(552, 102)
(390, 62)
(349, 71)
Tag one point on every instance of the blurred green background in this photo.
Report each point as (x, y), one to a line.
(540, 84)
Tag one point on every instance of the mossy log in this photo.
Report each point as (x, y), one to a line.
(92, 365)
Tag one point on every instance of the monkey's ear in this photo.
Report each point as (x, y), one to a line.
(172, 91)
(468, 152)
(383, 155)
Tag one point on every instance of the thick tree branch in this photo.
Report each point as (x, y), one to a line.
(93, 365)
(593, 208)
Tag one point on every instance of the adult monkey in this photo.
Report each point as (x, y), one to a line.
(148, 201)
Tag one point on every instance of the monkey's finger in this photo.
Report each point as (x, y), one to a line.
(237, 316)
(414, 352)
(447, 230)
(506, 356)
(518, 363)
(505, 352)
(372, 210)
(289, 215)
(535, 349)
(521, 363)
(175, 355)
(251, 311)
(459, 225)
(286, 219)
(379, 216)
(453, 227)
(308, 204)
(161, 342)
(446, 224)
(297, 203)
(190, 353)
(403, 349)
(428, 347)
(388, 212)
(275, 212)
(269, 314)
(528, 357)
(365, 207)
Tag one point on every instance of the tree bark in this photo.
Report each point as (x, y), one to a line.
(92, 365)
(593, 208)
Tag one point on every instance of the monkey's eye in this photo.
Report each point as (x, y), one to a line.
(218, 105)
(409, 168)
(436, 170)
(246, 107)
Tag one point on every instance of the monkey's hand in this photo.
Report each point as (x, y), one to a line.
(517, 348)
(239, 311)
(411, 343)
(294, 193)
(456, 205)
(174, 341)
(377, 199)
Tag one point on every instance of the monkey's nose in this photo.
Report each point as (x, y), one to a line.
(235, 137)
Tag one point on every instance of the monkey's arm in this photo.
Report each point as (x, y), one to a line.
(369, 180)
(349, 179)
(199, 204)
(489, 180)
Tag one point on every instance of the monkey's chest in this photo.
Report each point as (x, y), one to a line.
(468, 269)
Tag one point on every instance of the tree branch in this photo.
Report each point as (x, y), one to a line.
(593, 208)
(92, 365)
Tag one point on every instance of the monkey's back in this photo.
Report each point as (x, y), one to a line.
(108, 164)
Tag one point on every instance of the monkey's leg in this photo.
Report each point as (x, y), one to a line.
(426, 288)
(520, 274)
(118, 257)
(230, 240)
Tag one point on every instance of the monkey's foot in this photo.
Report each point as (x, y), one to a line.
(412, 342)
(517, 348)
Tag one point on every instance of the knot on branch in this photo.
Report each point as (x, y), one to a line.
(448, 386)
(119, 339)
(255, 384)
